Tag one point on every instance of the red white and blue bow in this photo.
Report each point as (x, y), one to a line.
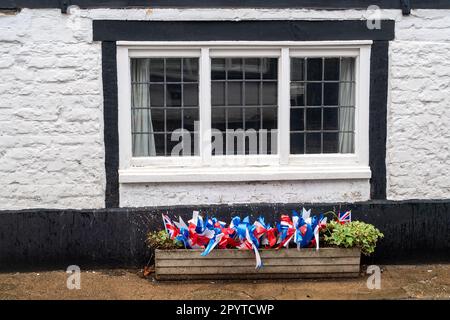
(241, 234)
(286, 231)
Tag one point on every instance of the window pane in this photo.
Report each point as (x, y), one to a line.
(173, 95)
(140, 120)
(159, 140)
(252, 68)
(190, 95)
(314, 69)
(331, 142)
(173, 119)
(218, 69)
(347, 69)
(136, 66)
(347, 118)
(346, 143)
(297, 119)
(235, 119)
(269, 118)
(346, 94)
(330, 119)
(313, 119)
(173, 70)
(297, 69)
(218, 119)
(330, 94)
(218, 93)
(140, 96)
(270, 94)
(156, 70)
(297, 94)
(249, 95)
(140, 144)
(160, 86)
(234, 93)
(313, 143)
(171, 145)
(190, 70)
(331, 71)
(189, 117)
(156, 95)
(328, 122)
(147, 120)
(269, 69)
(314, 94)
(252, 118)
(252, 93)
(297, 143)
(234, 69)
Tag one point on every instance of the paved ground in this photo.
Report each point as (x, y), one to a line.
(397, 282)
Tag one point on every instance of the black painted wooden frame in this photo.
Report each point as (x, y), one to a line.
(53, 238)
(314, 4)
(110, 118)
(110, 31)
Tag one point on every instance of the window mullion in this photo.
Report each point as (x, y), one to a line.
(205, 106)
(284, 107)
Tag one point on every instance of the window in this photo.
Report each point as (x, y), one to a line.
(244, 97)
(164, 98)
(322, 105)
(257, 111)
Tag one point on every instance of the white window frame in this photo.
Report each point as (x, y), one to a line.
(282, 166)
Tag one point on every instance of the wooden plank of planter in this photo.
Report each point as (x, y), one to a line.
(240, 264)
(200, 262)
(252, 276)
(270, 253)
(266, 269)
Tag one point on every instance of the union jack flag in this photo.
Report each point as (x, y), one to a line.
(345, 217)
(171, 229)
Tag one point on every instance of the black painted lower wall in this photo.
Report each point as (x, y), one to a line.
(415, 232)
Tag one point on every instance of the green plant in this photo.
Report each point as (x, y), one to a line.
(353, 234)
(161, 240)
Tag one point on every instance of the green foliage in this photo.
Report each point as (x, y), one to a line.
(161, 240)
(353, 234)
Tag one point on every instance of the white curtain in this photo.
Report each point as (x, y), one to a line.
(143, 144)
(346, 98)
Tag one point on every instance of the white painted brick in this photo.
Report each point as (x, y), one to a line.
(235, 193)
(51, 138)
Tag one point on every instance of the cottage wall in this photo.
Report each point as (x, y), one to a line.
(51, 114)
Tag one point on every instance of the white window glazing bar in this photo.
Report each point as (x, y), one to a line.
(284, 106)
(205, 106)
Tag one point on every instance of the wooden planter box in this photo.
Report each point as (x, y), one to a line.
(182, 264)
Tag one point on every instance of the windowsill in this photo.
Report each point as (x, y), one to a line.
(233, 174)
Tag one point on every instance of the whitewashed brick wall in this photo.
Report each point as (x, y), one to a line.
(51, 125)
(51, 140)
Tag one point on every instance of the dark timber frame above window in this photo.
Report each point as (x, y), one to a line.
(111, 31)
(316, 4)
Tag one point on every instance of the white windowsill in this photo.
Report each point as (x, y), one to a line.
(223, 174)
